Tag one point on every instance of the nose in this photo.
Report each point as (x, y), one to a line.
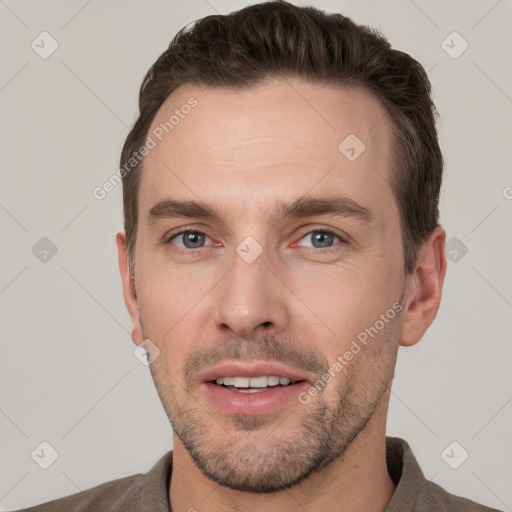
(251, 299)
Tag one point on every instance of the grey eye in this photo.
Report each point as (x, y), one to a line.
(190, 239)
(321, 239)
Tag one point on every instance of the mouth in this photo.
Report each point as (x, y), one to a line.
(248, 390)
(259, 384)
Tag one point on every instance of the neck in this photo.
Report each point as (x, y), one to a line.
(355, 482)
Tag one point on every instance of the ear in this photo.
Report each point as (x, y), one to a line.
(129, 292)
(424, 288)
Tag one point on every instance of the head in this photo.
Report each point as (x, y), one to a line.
(302, 150)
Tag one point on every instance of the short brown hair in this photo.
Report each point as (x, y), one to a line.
(277, 39)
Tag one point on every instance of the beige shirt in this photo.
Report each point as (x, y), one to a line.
(150, 492)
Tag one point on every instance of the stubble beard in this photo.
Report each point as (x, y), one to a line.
(283, 457)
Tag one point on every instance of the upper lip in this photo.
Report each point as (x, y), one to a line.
(239, 369)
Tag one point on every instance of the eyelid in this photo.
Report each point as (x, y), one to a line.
(168, 238)
(344, 238)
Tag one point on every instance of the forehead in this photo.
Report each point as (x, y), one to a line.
(280, 138)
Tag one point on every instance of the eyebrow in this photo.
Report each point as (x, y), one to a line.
(306, 206)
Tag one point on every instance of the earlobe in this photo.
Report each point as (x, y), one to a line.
(129, 291)
(424, 289)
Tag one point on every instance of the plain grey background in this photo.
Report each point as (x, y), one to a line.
(68, 374)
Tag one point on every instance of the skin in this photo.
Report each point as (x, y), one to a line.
(242, 152)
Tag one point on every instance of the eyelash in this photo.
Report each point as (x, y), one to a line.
(182, 232)
(323, 231)
(333, 248)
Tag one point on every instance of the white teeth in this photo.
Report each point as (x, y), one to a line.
(253, 382)
(258, 382)
(241, 382)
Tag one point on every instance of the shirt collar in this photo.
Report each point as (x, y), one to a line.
(401, 463)
(405, 472)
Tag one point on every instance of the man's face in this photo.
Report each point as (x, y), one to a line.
(255, 293)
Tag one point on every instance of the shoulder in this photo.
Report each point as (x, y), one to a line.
(100, 497)
(434, 497)
(413, 491)
(133, 493)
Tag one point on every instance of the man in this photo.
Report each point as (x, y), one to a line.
(281, 241)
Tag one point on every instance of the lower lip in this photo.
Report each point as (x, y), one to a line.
(250, 404)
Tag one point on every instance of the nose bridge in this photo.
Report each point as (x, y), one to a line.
(250, 298)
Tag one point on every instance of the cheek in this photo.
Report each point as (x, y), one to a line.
(166, 297)
(344, 300)
(170, 280)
